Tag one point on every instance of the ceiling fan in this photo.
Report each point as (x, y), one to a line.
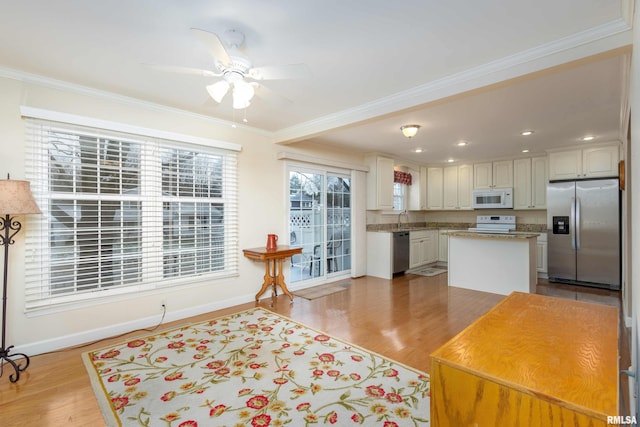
(236, 70)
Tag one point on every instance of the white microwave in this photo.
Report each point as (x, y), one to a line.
(497, 198)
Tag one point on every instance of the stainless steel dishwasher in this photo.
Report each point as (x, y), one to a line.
(400, 251)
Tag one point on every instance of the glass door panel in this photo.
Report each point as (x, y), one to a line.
(338, 223)
(306, 223)
(320, 223)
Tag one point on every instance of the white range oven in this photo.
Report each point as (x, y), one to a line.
(494, 224)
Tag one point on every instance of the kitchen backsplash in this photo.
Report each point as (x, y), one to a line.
(531, 228)
(534, 221)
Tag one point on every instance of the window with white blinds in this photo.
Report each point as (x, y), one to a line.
(125, 213)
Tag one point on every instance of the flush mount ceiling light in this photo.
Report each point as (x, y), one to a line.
(462, 143)
(418, 150)
(409, 130)
(526, 132)
(587, 138)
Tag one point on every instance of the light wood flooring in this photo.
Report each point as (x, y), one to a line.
(404, 319)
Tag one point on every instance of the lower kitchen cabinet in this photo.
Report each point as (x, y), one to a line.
(443, 245)
(380, 254)
(423, 247)
(541, 252)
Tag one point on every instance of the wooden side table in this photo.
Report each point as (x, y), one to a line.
(273, 274)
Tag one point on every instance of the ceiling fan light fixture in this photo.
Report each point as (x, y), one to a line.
(242, 94)
(409, 130)
(218, 90)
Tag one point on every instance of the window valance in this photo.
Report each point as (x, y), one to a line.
(402, 177)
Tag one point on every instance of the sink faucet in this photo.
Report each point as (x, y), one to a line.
(403, 212)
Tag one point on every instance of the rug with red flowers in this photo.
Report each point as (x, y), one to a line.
(253, 368)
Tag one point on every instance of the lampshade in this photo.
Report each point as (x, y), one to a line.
(16, 198)
(218, 90)
(242, 94)
(410, 130)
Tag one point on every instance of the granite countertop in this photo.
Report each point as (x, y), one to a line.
(495, 236)
(417, 226)
(457, 226)
(395, 229)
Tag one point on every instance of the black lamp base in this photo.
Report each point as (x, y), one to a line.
(18, 367)
(9, 228)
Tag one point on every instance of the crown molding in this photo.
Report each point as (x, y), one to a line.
(609, 36)
(51, 83)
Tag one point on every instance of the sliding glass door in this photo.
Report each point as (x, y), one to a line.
(320, 223)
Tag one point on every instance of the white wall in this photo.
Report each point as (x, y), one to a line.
(262, 208)
(633, 167)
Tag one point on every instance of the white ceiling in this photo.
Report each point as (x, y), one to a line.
(375, 65)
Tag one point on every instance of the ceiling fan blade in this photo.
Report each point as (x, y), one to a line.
(270, 96)
(212, 42)
(280, 72)
(184, 70)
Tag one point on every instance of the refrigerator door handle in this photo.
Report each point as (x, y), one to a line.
(572, 223)
(577, 223)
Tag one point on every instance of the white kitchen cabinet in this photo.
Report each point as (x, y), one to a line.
(379, 183)
(457, 186)
(435, 178)
(380, 254)
(423, 247)
(443, 246)
(541, 255)
(423, 188)
(589, 162)
(417, 191)
(493, 174)
(530, 183)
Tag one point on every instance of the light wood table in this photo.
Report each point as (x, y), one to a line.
(532, 360)
(273, 275)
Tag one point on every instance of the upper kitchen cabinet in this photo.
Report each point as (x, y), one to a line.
(417, 190)
(530, 183)
(435, 188)
(588, 162)
(458, 183)
(493, 174)
(379, 183)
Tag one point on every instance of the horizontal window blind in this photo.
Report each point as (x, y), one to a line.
(125, 213)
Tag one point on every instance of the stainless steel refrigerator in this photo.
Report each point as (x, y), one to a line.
(583, 232)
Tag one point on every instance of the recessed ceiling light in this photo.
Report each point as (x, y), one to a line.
(450, 160)
(418, 150)
(525, 151)
(587, 138)
(462, 143)
(526, 132)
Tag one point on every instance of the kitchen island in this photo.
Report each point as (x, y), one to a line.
(499, 263)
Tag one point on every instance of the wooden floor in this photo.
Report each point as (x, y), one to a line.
(404, 319)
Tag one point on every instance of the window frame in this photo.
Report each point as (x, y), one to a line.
(37, 226)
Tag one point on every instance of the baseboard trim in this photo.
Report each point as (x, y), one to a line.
(93, 335)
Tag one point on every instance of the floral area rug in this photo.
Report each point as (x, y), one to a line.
(253, 368)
